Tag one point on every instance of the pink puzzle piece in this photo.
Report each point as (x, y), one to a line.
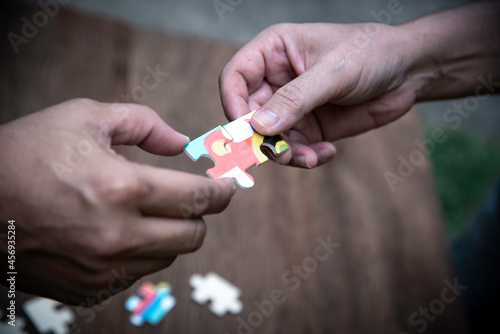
(234, 148)
(231, 159)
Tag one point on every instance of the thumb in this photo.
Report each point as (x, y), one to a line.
(132, 124)
(290, 103)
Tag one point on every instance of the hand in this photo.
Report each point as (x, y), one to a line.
(86, 218)
(320, 82)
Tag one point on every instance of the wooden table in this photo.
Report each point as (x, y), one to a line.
(390, 257)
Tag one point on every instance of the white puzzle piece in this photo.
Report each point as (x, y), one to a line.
(223, 296)
(46, 315)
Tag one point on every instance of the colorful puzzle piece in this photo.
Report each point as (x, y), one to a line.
(233, 148)
(223, 296)
(47, 315)
(155, 303)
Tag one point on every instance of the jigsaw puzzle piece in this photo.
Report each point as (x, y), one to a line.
(47, 316)
(159, 309)
(241, 129)
(131, 304)
(155, 303)
(275, 143)
(243, 179)
(196, 148)
(160, 306)
(230, 158)
(242, 132)
(223, 296)
(234, 148)
(148, 292)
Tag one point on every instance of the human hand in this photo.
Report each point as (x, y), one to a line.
(318, 83)
(83, 214)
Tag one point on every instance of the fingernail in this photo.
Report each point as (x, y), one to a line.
(327, 153)
(302, 160)
(187, 139)
(266, 118)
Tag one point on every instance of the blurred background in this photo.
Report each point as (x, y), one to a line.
(466, 165)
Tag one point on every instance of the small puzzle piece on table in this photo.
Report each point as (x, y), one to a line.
(155, 303)
(223, 296)
(47, 315)
(233, 148)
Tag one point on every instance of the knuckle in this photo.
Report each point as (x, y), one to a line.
(83, 102)
(108, 243)
(198, 236)
(203, 199)
(123, 113)
(145, 109)
(291, 96)
(137, 108)
(120, 188)
(281, 27)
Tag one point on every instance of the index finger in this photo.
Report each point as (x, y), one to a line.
(266, 63)
(241, 76)
(177, 194)
(133, 124)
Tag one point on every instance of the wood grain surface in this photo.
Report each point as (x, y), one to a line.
(390, 260)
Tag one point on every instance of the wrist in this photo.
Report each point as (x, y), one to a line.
(448, 51)
(423, 60)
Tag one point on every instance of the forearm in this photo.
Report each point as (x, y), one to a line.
(456, 51)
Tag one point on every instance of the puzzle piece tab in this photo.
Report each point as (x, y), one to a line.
(233, 148)
(47, 315)
(155, 303)
(223, 296)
